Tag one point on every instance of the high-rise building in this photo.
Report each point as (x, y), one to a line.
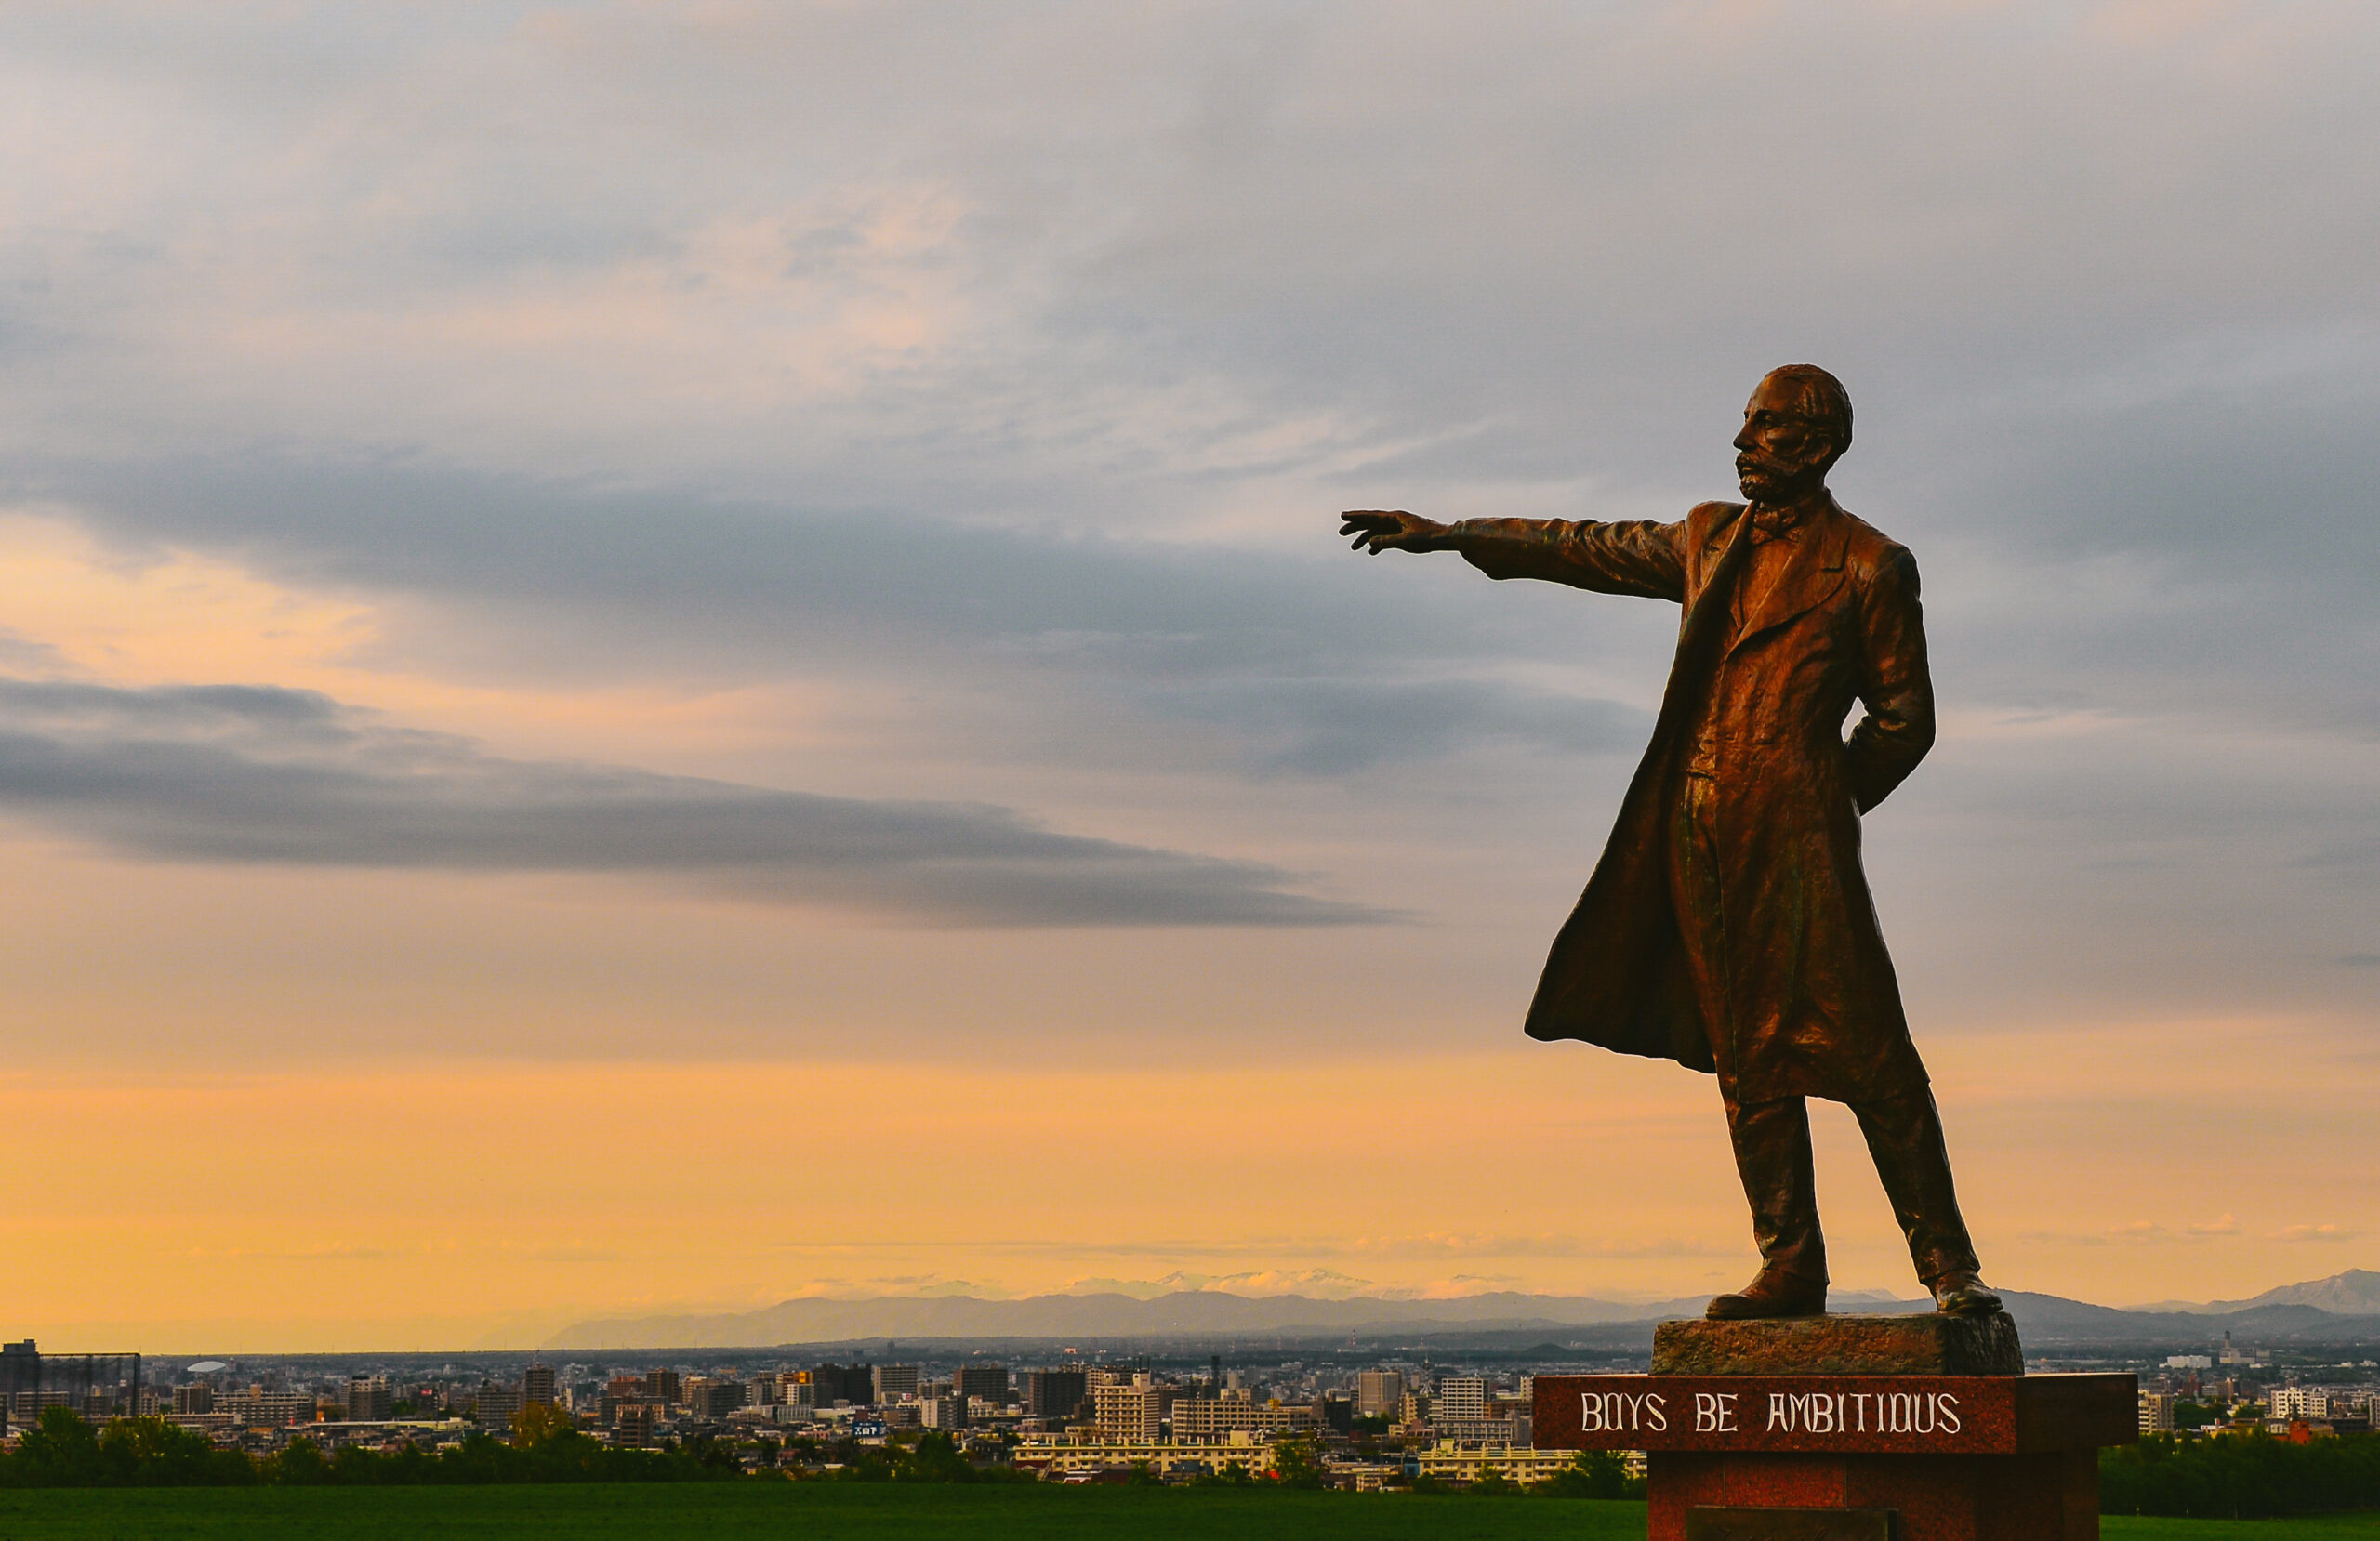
(538, 1386)
(944, 1411)
(709, 1397)
(194, 1398)
(635, 1425)
(988, 1381)
(2156, 1412)
(498, 1405)
(1461, 1398)
(369, 1399)
(1131, 1413)
(1054, 1393)
(894, 1382)
(1460, 1412)
(852, 1383)
(1378, 1392)
(662, 1385)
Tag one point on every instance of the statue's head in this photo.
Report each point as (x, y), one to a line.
(1796, 426)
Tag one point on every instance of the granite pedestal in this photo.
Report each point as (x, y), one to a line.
(1851, 1428)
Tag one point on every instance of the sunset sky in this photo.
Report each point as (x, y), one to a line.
(659, 657)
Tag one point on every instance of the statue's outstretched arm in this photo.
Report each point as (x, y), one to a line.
(1633, 556)
(1636, 557)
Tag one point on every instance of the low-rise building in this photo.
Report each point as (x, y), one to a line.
(1057, 1456)
(257, 1408)
(1450, 1462)
(1238, 1411)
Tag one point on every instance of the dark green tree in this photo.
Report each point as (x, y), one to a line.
(62, 1450)
(1297, 1464)
(1595, 1474)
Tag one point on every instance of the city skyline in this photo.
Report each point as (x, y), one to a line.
(651, 662)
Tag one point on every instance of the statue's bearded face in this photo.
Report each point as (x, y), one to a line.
(1781, 453)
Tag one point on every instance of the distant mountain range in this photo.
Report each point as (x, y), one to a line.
(2354, 1293)
(2343, 1308)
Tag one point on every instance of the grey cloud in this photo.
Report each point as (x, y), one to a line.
(19, 652)
(1320, 666)
(258, 774)
(1336, 726)
(740, 575)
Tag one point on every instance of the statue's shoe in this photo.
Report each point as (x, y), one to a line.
(1768, 1295)
(1963, 1295)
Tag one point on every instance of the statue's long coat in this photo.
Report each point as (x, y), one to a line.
(1806, 1002)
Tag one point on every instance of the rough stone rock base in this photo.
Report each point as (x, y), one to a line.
(1928, 1344)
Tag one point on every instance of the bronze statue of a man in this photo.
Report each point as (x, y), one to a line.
(1728, 926)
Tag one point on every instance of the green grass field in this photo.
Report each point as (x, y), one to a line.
(2320, 1527)
(663, 1512)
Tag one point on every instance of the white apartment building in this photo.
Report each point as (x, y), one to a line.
(1455, 1463)
(1461, 1399)
(257, 1407)
(1055, 1454)
(1132, 1412)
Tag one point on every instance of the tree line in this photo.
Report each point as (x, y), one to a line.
(65, 1450)
(2249, 1477)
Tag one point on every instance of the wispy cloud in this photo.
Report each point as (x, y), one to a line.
(262, 774)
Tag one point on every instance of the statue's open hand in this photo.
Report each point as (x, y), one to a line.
(1378, 530)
